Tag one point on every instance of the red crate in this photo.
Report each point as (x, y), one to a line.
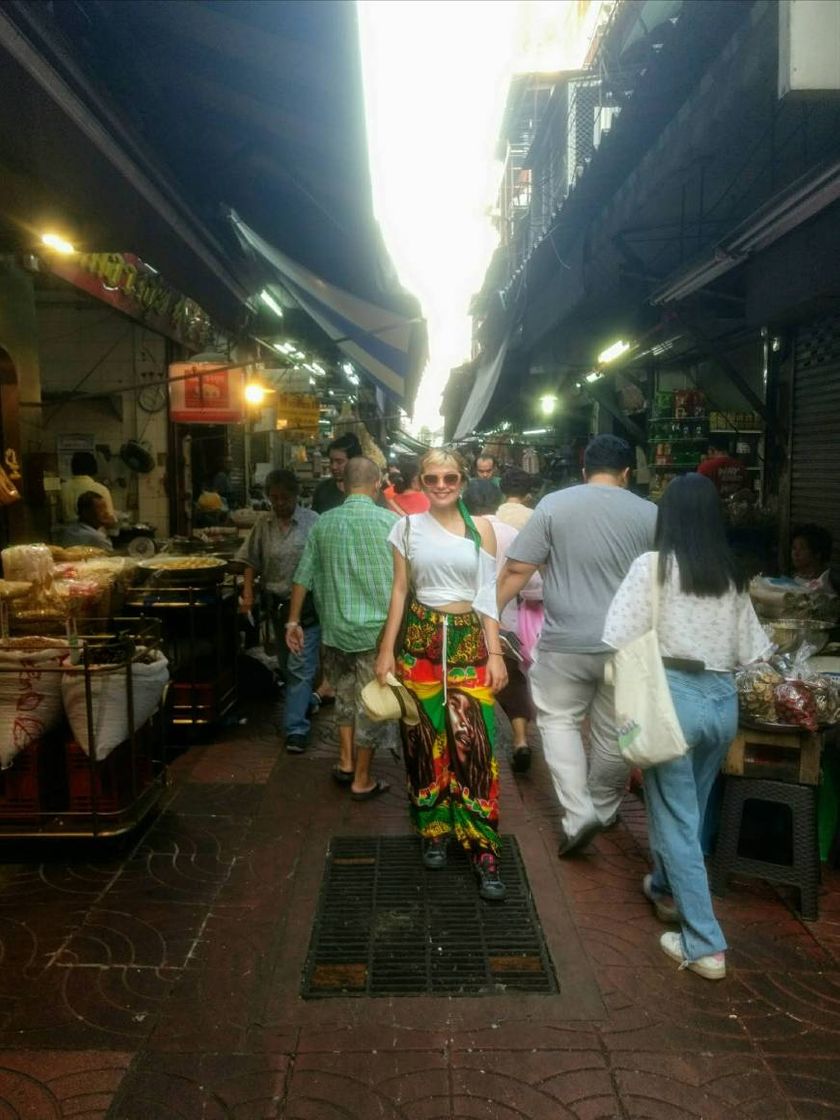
(34, 784)
(107, 785)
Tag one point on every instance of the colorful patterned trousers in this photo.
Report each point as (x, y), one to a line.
(451, 769)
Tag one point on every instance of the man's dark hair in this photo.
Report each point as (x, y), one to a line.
(86, 506)
(485, 455)
(347, 443)
(516, 483)
(83, 462)
(283, 479)
(819, 540)
(608, 455)
(690, 528)
(481, 496)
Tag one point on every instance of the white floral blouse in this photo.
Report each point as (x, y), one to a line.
(722, 632)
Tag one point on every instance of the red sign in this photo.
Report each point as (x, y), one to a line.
(201, 393)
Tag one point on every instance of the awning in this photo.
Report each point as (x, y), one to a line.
(485, 384)
(783, 212)
(390, 347)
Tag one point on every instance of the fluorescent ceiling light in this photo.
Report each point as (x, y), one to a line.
(613, 352)
(58, 243)
(593, 376)
(269, 300)
(537, 432)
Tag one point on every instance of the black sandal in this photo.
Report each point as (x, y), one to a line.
(342, 777)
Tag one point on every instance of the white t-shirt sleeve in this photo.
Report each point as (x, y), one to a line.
(485, 600)
(398, 534)
(630, 614)
(753, 642)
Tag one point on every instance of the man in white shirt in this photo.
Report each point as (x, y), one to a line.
(83, 468)
(585, 538)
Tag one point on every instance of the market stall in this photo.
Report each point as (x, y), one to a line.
(81, 702)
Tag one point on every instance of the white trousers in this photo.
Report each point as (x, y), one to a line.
(567, 687)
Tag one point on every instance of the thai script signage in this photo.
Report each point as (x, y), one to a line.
(298, 412)
(130, 285)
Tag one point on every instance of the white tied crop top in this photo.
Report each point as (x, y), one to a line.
(446, 568)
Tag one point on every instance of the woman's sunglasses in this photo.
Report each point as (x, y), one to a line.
(440, 479)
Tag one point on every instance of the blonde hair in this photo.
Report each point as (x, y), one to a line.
(441, 457)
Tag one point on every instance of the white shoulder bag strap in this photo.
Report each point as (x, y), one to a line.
(654, 592)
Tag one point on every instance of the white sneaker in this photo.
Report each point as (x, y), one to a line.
(712, 967)
(664, 910)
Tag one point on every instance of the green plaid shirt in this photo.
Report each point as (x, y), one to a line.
(348, 565)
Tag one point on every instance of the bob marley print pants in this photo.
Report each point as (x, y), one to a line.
(451, 768)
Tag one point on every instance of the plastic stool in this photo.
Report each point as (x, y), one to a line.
(804, 872)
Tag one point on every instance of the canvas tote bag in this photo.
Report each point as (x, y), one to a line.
(649, 732)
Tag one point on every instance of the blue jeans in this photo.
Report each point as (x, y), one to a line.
(676, 794)
(300, 672)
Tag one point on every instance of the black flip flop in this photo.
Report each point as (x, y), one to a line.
(374, 791)
(342, 777)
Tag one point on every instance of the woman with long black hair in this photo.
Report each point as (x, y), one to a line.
(707, 627)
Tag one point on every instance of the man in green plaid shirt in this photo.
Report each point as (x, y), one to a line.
(348, 565)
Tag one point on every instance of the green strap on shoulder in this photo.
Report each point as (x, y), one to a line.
(472, 528)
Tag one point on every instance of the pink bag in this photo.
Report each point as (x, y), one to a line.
(530, 616)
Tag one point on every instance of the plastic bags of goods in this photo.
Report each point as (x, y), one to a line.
(795, 704)
(786, 691)
(756, 691)
(781, 597)
(109, 705)
(31, 562)
(30, 691)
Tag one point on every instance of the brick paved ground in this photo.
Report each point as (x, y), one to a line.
(162, 983)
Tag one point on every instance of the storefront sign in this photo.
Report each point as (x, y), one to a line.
(298, 412)
(201, 393)
(135, 288)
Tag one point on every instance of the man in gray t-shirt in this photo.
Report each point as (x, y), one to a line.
(585, 539)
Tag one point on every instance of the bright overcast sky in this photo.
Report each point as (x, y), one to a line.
(436, 76)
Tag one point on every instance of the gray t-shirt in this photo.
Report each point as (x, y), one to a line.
(587, 537)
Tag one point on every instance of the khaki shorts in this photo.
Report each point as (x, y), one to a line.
(348, 673)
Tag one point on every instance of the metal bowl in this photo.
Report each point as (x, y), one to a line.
(790, 633)
(184, 571)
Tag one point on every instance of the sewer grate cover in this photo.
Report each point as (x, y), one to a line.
(387, 926)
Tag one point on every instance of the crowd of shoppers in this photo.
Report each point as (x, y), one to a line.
(465, 595)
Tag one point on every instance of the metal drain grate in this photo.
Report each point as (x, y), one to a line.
(386, 926)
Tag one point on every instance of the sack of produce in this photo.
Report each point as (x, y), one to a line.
(30, 691)
(109, 686)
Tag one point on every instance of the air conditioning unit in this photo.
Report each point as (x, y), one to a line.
(584, 99)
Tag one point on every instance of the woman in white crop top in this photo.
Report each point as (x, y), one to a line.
(450, 659)
(707, 627)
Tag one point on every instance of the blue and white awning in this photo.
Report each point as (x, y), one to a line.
(390, 346)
